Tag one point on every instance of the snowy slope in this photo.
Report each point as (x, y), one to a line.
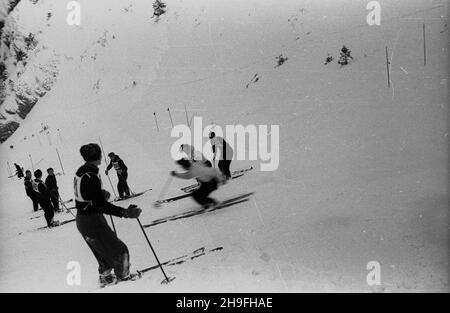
(363, 167)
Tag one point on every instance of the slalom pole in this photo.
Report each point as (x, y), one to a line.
(60, 138)
(156, 121)
(31, 160)
(170, 116)
(167, 279)
(104, 155)
(9, 169)
(59, 158)
(424, 48)
(387, 68)
(187, 118)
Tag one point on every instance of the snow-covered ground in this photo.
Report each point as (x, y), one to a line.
(363, 171)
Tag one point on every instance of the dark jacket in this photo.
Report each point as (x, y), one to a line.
(118, 165)
(29, 188)
(42, 192)
(90, 188)
(51, 183)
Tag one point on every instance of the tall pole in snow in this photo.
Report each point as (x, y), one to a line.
(424, 47)
(49, 139)
(156, 121)
(170, 116)
(59, 134)
(9, 169)
(59, 158)
(31, 160)
(387, 67)
(187, 118)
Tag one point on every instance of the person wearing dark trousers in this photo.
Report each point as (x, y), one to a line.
(122, 174)
(91, 202)
(226, 153)
(52, 187)
(43, 196)
(208, 178)
(30, 192)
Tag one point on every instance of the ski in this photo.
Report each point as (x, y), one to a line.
(58, 225)
(132, 196)
(182, 259)
(172, 199)
(201, 210)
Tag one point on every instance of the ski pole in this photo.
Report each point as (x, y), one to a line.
(164, 190)
(64, 206)
(114, 227)
(166, 280)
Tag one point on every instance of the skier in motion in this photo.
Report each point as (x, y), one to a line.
(91, 202)
(209, 179)
(226, 153)
(122, 174)
(19, 171)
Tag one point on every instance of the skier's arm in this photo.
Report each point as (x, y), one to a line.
(109, 166)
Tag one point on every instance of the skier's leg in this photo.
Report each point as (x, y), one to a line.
(120, 186)
(56, 199)
(89, 227)
(220, 166)
(35, 204)
(104, 268)
(48, 212)
(226, 168)
(109, 250)
(125, 184)
(201, 194)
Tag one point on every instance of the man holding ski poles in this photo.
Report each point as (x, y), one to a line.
(91, 202)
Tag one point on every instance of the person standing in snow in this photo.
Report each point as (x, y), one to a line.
(122, 174)
(43, 196)
(194, 155)
(91, 202)
(209, 179)
(52, 187)
(19, 171)
(30, 191)
(226, 153)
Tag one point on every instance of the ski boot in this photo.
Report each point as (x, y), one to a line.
(131, 277)
(107, 280)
